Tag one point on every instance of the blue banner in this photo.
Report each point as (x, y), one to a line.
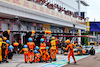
(95, 26)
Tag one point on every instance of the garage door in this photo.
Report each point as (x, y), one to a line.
(16, 27)
(4, 26)
(32, 28)
(24, 27)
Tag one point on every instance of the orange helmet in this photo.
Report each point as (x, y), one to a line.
(53, 38)
(0, 39)
(4, 38)
(15, 44)
(67, 41)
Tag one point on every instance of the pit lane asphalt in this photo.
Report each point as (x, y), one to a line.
(90, 61)
(18, 61)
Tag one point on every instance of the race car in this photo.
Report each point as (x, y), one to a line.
(80, 50)
(84, 50)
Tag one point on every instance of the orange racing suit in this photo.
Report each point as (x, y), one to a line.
(71, 52)
(6, 51)
(25, 50)
(31, 46)
(43, 51)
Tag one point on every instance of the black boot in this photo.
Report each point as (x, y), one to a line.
(68, 62)
(0, 62)
(7, 61)
(55, 59)
(25, 61)
(46, 61)
(74, 62)
(30, 62)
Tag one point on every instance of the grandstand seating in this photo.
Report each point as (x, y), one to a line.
(59, 8)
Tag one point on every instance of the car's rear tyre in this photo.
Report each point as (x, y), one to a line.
(92, 52)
